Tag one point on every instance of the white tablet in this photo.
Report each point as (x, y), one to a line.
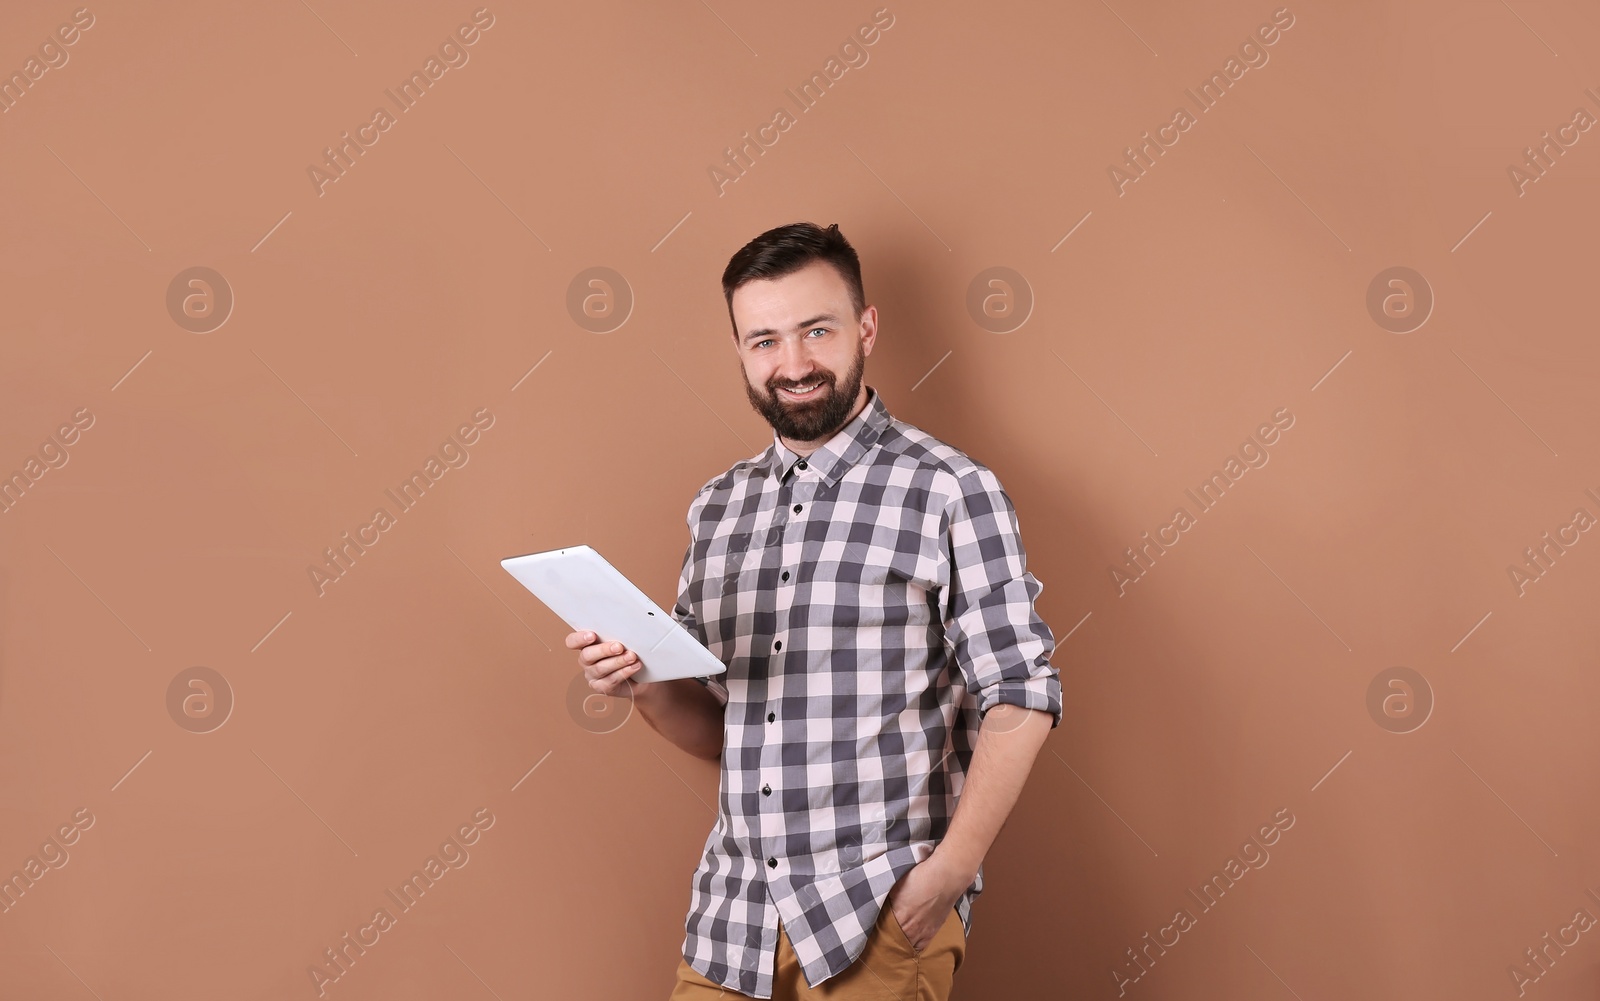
(590, 594)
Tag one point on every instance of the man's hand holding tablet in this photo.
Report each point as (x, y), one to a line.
(607, 665)
(680, 709)
(647, 657)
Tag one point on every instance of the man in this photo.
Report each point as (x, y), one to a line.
(889, 682)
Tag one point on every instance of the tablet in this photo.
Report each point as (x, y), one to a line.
(590, 594)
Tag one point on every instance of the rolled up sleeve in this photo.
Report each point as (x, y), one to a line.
(991, 628)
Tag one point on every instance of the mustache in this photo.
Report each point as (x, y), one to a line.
(825, 380)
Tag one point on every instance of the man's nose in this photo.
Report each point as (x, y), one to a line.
(796, 364)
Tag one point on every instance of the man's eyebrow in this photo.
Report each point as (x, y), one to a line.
(802, 325)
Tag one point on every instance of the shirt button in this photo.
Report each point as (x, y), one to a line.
(766, 790)
(797, 508)
(771, 717)
(802, 463)
(778, 645)
(786, 575)
(772, 863)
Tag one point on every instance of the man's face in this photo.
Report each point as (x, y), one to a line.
(797, 331)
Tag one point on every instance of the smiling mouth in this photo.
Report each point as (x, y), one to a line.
(815, 390)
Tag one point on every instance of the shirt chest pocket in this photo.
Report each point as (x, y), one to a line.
(893, 593)
(727, 559)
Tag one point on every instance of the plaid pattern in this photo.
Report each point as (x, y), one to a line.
(872, 602)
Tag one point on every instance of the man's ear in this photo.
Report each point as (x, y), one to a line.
(869, 322)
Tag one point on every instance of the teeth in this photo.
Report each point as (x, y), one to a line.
(803, 390)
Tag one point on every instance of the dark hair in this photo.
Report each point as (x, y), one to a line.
(787, 249)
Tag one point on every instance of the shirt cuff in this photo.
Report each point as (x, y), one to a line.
(1043, 693)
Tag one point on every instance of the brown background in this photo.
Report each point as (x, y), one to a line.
(372, 320)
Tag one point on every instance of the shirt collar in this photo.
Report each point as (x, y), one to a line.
(841, 451)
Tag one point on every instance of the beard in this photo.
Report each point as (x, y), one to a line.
(818, 417)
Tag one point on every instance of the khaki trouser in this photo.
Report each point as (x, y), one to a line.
(888, 968)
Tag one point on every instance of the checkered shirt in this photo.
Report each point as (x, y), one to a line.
(872, 603)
